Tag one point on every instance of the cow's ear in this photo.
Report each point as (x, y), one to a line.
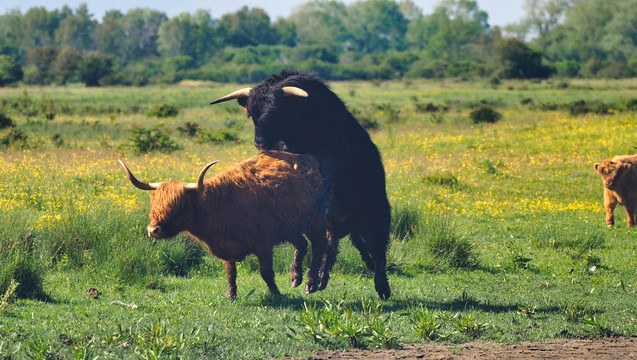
(597, 167)
(626, 166)
(243, 101)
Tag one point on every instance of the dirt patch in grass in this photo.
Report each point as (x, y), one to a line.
(563, 349)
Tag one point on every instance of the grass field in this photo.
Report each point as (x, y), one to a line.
(498, 228)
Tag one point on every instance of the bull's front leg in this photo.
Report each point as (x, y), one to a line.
(231, 275)
(265, 267)
(610, 201)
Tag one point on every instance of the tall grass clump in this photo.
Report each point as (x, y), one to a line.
(21, 262)
(405, 221)
(449, 245)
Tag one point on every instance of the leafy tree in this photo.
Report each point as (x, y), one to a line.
(321, 22)
(76, 30)
(519, 61)
(247, 27)
(375, 26)
(189, 35)
(286, 32)
(451, 32)
(65, 64)
(110, 35)
(140, 28)
(10, 71)
(39, 27)
(95, 66)
(41, 59)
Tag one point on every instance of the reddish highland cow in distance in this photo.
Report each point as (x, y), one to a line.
(271, 198)
(620, 186)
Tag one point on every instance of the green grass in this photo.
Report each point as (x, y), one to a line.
(498, 229)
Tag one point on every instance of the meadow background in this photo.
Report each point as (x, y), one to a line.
(498, 227)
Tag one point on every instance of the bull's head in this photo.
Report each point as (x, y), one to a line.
(169, 203)
(265, 105)
(612, 173)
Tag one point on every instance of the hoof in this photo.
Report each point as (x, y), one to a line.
(310, 288)
(296, 283)
(383, 290)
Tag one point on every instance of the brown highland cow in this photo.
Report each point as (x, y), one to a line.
(268, 199)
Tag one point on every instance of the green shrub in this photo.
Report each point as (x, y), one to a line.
(485, 114)
(221, 135)
(145, 140)
(163, 111)
(189, 129)
(13, 137)
(6, 121)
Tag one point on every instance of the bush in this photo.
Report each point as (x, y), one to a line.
(163, 111)
(10, 70)
(485, 114)
(13, 137)
(6, 121)
(221, 135)
(144, 140)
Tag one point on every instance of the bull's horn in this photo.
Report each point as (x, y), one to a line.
(294, 91)
(138, 184)
(245, 92)
(202, 174)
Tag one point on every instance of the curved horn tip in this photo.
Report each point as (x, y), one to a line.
(294, 91)
(245, 92)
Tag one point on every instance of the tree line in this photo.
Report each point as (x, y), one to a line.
(373, 39)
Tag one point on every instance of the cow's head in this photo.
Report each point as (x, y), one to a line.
(612, 172)
(170, 203)
(273, 107)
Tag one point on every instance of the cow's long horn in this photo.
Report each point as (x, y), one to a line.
(138, 184)
(245, 92)
(199, 184)
(294, 91)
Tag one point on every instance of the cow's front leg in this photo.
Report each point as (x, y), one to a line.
(630, 214)
(296, 267)
(610, 201)
(231, 275)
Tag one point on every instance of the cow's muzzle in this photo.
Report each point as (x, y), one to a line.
(155, 232)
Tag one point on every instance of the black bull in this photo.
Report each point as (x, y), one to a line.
(298, 113)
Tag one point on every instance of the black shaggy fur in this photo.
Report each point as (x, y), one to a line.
(321, 125)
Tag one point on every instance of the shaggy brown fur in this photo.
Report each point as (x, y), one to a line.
(620, 186)
(268, 199)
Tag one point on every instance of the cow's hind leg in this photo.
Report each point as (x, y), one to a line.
(267, 272)
(231, 275)
(296, 267)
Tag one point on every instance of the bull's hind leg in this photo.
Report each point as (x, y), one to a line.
(376, 239)
(267, 272)
(328, 260)
(359, 244)
(296, 267)
(630, 215)
(318, 236)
